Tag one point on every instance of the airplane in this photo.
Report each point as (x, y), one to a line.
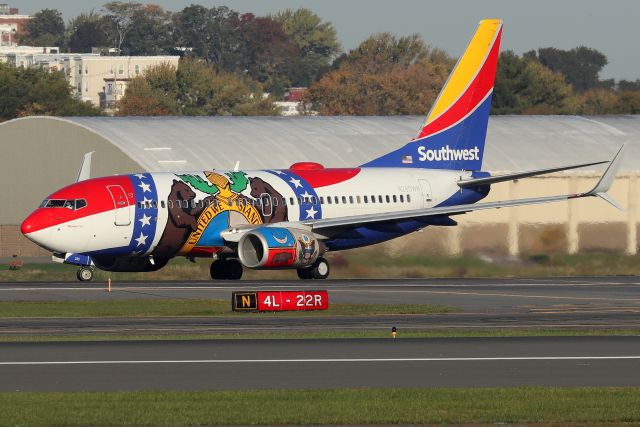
(289, 218)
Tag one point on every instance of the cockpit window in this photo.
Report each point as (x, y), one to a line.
(68, 204)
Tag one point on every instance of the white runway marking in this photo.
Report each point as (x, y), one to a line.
(246, 361)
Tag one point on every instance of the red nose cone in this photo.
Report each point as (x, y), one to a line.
(38, 220)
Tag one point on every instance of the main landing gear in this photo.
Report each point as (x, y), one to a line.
(319, 270)
(85, 274)
(226, 269)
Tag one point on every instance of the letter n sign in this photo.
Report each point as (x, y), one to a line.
(244, 301)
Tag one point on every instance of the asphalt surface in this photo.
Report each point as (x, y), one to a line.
(574, 303)
(316, 364)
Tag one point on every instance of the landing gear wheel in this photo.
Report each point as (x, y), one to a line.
(84, 274)
(304, 273)
(226, 269)
(234, 269)
(320, 269)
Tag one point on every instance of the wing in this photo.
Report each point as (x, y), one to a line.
(600, 190)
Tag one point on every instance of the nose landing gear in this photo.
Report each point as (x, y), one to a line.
(85, 274)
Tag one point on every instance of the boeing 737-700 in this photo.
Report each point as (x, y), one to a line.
(289, 218)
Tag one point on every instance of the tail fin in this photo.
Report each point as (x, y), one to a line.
(454, 134)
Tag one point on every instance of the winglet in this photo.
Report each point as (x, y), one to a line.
(606, 181)
(85, 168)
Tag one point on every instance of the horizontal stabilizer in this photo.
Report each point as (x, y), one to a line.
(519, 175)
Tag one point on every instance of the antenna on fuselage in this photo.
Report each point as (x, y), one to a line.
(85, 168)
(236, 168)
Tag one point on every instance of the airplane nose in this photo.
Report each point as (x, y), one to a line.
(38, 220)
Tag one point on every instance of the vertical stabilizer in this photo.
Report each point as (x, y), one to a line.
(454, 133)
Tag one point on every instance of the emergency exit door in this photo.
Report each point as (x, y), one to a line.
(120, 201)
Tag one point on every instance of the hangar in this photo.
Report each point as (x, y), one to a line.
(41, 154)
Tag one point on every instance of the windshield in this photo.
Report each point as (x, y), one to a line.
(61, 203)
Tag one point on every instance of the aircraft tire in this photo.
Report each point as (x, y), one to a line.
(233, 269)
(84, 274)
(304, 273)
(218, 270)
(320, 269)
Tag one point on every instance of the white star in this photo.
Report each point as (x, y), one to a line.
(145, 220)
(295, 182)
(139, 176)
(311, 213)
(142, 240)
(136, 253)
(145, 187)
(306, 194)
(277, 172)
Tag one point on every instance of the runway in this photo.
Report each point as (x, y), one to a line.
(316, 364)
(550, 303)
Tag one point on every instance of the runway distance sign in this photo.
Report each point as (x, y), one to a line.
(280, 301)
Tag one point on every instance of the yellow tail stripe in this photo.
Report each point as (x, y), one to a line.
(467, 67)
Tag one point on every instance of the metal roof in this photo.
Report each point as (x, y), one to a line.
(513, 142)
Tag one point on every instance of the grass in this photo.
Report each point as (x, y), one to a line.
(188, 308)
(404, 334)
(343, 406)
(372, 263)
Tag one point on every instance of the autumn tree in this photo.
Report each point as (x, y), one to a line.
(46, 28)
(316, 40)
(150, 32)
(384, 75)
(269, 54)
(195, 89)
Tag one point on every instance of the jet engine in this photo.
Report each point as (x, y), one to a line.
(276, 247)
(129, 264)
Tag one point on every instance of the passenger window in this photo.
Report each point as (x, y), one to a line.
(328, 200)
(366, 199)
(162, 204)
(387, 199)
(170, 204)
(358, 199)
(380, 198)
(344, 200)
(351, 199)
(154, 204)
(335, 200)
(314, 201)
(408, 198)
(395, 199)
(401, 198)
(275, 201)
(299, 200)
(322, 200)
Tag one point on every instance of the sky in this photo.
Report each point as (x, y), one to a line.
(612, 27)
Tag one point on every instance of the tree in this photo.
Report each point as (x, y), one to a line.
(196, 89)
(384, 75)
(46, 28)
(316, 41)
(213, 34)
(524, 86)
(581, 66)
(141, 100)
(150, 32)
(29, 91)
(269, 54)
(629, 85)
(86, 31)
(121, 16)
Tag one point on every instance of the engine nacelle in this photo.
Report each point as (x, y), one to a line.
(129, 264)
(275, 247)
